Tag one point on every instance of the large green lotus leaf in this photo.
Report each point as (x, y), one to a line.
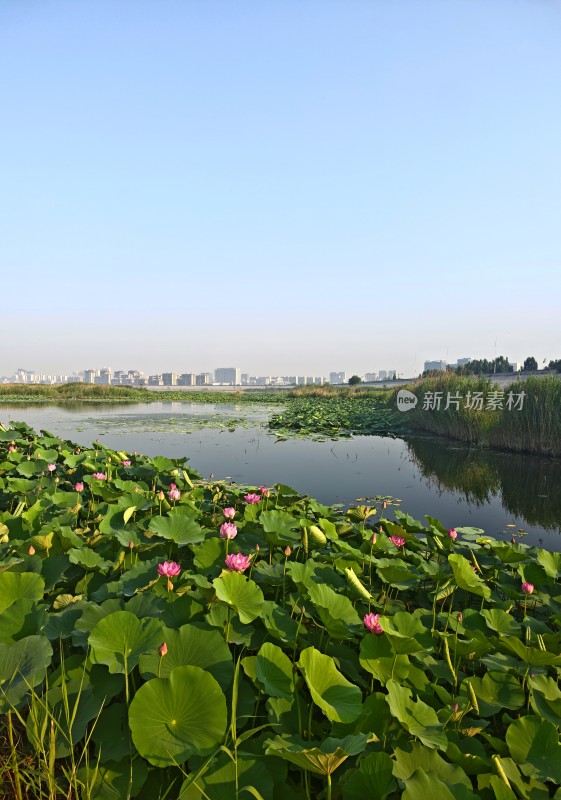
(91, 615)
(192, 646)
(398, 574)
(49, 456)
(174, 718)
(551, 562)
(322, 758)
(534, 744)
(530, 655)
(419, 757)
(495, 691)
(119, 640)
(428, 785)
(23, 618)
(18, 586)
(111, 733)
(415, 716)
(466, 578)
(219, 782)
(340, 700)
(406, 633)
(278, 622)
(378, 657)
(243, 595)
(139, 576)
(112, 781)
(28, 468)
(279, 525)
(546, 698)
(87, 558)
(180, 527)
(23, 664)
(501, 622)
(373, 779)
(510, 553)
(273, 670)
(336, 611)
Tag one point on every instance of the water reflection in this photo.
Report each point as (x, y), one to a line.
(528, 486)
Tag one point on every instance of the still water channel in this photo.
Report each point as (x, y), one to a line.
(503, 493)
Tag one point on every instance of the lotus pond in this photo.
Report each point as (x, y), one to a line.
(505, 493)
(163, 635)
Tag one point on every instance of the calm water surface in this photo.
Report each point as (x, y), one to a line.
(502, 493)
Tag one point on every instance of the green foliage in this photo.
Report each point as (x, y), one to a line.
(220, 684)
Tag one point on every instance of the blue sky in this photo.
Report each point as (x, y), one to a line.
(294, 186)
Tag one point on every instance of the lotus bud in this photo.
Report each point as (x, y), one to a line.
(131, 544)
(31, 550)
(108, 459)
(162, 649)
(384, 504)
(373, 538)
(287, 550)
(256, 548)
(460, 617)
(161, 495)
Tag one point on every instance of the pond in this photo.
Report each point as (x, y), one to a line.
(505, 494)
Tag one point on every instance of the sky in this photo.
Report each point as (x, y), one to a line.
(286, 186)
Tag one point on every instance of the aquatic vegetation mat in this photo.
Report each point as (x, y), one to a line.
(165, 636)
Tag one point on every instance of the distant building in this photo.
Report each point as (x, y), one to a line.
(337, 378)
(383, 375)
(169, 378)
(228, 375)
(155, 380)
(202, 379)
(435, 365)
(463, 361)
(370, 377)
(90, 375)
(187, 379)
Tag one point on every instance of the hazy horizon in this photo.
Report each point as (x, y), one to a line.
(288, 188)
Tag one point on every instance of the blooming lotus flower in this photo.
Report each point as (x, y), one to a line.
(371, 621)
(51, 467)
(251, 498)
(79, 487)
(452, 533)
(99, 476)
(169, 569)
(527, 588)
(229, 512)
(174, 494)
(125, 463)
(237, 562)
(228, 530)
(399, 541)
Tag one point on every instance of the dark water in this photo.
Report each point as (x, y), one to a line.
(503, 493)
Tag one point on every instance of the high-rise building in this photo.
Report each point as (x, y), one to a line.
(169, 378)
(435, 365)
(187, 379)
(337, 378)
(229, 375)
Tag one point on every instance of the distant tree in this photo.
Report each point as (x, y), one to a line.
(354, 380)
(530, 364)
(555, 364)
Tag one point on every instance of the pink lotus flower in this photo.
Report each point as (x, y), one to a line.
(251, 498)
(228, 530)
(527, 588)
(452, 533)
(11, 449)
(162, 649)
(264, 491)
(371, 621)
(99, 476)
(79, 487)
(399, 541)
(51, 467)
(125, 463)
(229, 512)
(174, 494)
(169, 569)
(237, 562)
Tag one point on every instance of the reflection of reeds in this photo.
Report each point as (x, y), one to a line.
(529, 486)
(536, 428)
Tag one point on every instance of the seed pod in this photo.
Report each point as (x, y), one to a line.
(356, 584)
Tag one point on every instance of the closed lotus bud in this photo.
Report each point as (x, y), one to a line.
(108, 459)
(384, 504)
(162, 649)
(161, 495)
(31, 550)
(256, 548)
(287, 550)
(373, 538)
(460, 617)
(131, 544)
